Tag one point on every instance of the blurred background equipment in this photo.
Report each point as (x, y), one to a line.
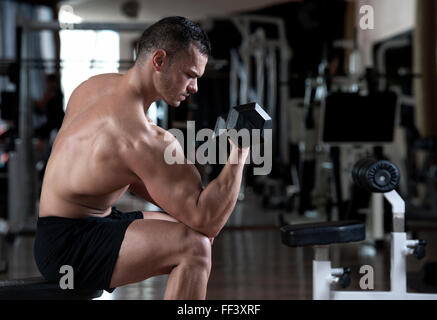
(376, 176)
(336, 93)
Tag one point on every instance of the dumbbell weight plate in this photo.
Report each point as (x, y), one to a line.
(249, 116)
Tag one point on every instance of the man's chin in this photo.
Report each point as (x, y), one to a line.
(173, 103)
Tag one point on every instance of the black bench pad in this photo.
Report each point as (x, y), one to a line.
(310, 234)
(40, 289)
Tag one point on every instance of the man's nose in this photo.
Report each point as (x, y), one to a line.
(192, 87)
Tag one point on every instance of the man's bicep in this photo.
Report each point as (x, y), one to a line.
(175, 187)
(139, 189)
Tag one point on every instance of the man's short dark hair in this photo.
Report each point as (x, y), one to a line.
(173, 34)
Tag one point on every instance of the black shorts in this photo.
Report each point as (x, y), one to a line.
(90, 246)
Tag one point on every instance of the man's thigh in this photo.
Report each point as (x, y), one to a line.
(151, 247)
(158, 216)
(163, 216)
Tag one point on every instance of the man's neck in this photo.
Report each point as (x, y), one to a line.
(141, 86)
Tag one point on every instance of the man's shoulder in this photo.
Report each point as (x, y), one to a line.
(147, 143)
(104, 77)
(98, 84)
(146, 136)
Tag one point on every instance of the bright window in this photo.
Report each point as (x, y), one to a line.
(85, 54)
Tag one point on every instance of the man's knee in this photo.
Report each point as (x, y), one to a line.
(197, 247)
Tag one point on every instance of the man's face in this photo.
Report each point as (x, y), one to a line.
(179, 78)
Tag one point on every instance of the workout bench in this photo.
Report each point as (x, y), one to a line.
(375, 176)
(40, 289)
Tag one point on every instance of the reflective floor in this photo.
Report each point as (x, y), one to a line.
(249, 261)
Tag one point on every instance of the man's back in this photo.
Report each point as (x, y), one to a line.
(85, 174)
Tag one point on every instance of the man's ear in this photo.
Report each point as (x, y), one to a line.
(159, 58)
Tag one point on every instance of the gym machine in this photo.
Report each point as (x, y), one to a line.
(255, 76)
(377, 177)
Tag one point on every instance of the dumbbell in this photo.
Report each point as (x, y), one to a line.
(246, 116)
(376, 175)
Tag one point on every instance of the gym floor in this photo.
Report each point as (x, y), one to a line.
(250, 262)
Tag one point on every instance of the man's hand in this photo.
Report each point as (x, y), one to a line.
(240, 154)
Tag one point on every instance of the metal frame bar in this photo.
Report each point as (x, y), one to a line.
(22, 195)
(56, 26)
(323, 273)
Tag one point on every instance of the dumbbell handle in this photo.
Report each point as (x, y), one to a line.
(242, 121)
(220, 125)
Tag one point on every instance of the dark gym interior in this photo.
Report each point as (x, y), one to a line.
(350, 86)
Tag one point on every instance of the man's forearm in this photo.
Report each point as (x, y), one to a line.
(217, 201)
